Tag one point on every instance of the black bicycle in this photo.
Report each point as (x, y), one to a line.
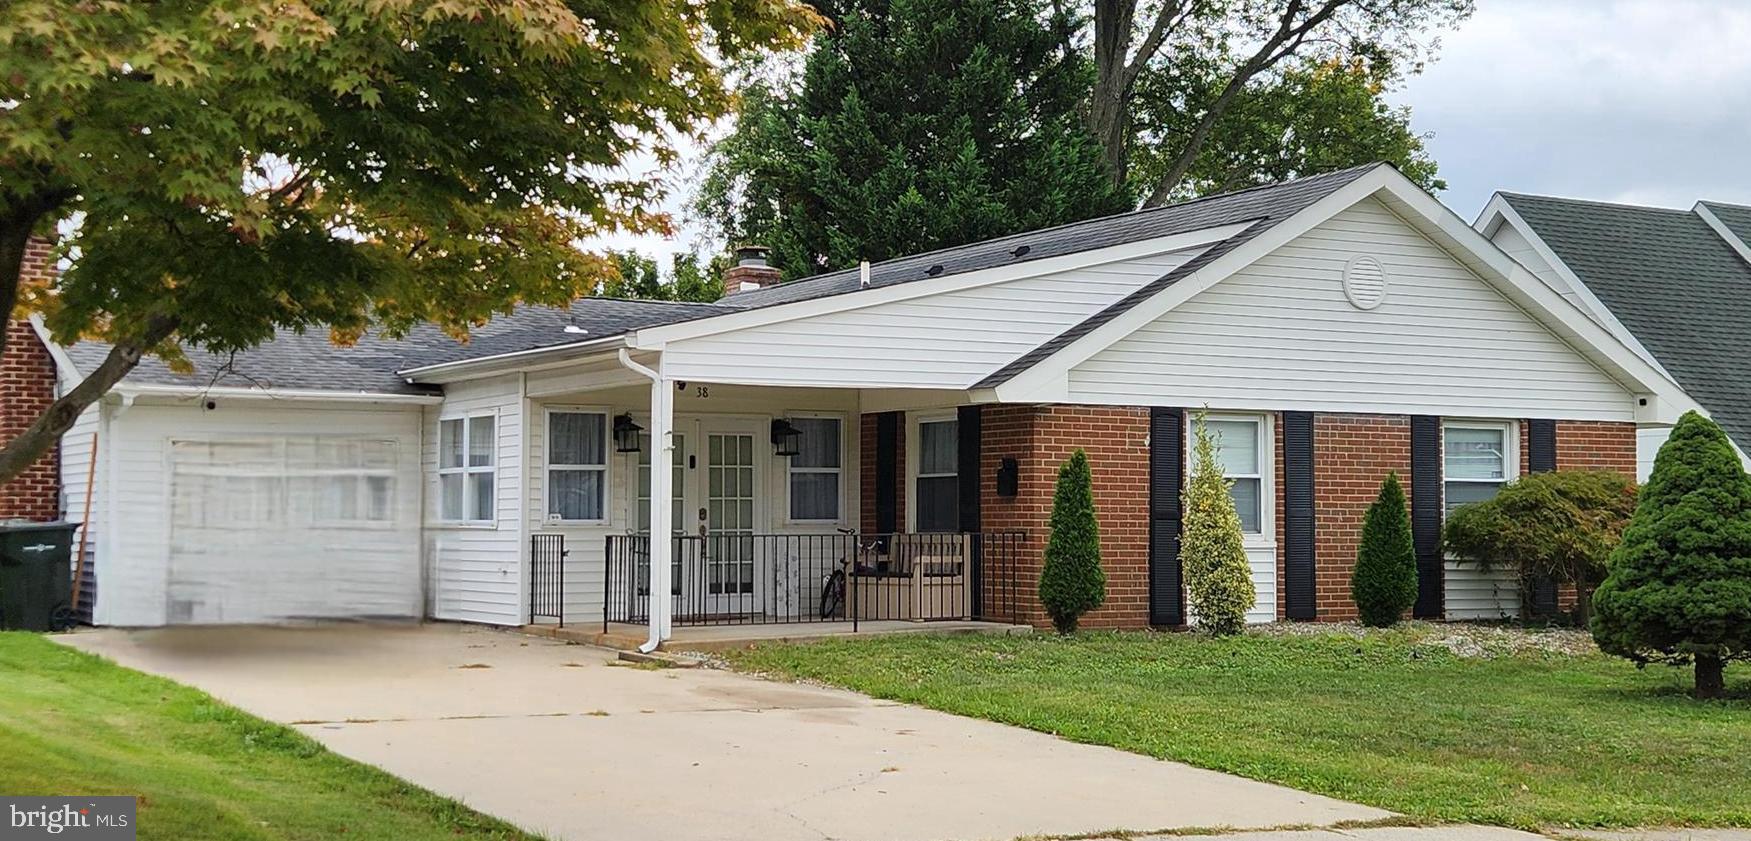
(833, 583)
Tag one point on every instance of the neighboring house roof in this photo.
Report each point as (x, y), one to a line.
(1737, 218)
(1674, 282)
(310, 361)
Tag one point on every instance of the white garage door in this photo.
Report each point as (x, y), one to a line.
(292, 527)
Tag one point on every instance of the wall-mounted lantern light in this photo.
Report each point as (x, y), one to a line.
(626, 434)
(786, 438)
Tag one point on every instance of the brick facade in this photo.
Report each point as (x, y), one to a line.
(866, 473)
(27, 387)
(1352, 455)
(1040, 438)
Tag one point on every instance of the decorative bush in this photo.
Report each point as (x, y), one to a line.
(1384, 582)
(1072, 582)
(1561, 526)
(1678, 588)
(1218, 581)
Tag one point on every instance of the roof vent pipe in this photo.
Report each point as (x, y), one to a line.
(863, 275)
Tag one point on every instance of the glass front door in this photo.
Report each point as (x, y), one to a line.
(728, 524)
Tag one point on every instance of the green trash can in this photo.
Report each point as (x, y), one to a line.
(36, 576)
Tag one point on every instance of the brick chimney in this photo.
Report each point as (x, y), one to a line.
(27, 387)
(751, 270)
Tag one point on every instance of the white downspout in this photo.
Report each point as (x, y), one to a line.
(662, 480)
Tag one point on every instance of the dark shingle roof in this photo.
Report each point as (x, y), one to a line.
(1263, 206)
(311, 361)
(1672, 281)
(1209, 212)
(1736, 218)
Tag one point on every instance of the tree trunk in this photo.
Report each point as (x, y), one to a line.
(14, 239)
(1109, 107)
(1711, 680)
(23, 451)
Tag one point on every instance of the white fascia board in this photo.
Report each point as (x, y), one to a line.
(1740, 247)
(499, 363)
(1036, 383)
(56, 352)
(1499, 212)
(239, 392)
(654, 338)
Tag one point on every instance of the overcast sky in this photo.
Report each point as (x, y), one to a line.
(1642, 101)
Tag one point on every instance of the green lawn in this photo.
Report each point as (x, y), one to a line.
(71, 723)
(1392, 719)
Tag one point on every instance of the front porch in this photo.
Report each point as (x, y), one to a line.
(711, 638)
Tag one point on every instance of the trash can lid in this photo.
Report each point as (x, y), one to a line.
(10, 526)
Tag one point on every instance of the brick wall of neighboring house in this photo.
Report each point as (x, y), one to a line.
(1040, 438)
(27, 387)
(1351, 456)
(866, 473)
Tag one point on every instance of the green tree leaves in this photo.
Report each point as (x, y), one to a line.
(1219, 588)
(1384, 581)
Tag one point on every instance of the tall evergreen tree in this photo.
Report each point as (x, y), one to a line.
(1219, 587)
(917, 124)
(1384, 580)
(1678, 588)
(1072, 582)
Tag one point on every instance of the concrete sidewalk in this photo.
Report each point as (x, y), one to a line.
(560, 740)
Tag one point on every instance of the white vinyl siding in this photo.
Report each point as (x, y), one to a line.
(175, 568)
(1478, 458)
(950, 340)
(79, 480)
(476, 568)
(1281, 332)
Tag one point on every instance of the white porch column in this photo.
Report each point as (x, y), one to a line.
(662, 491)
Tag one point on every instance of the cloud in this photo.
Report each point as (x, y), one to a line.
(1642, 101)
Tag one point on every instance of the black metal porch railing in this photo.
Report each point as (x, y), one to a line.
(547, 577)
(758, 579)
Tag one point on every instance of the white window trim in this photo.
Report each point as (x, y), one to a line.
(844, 459)
(1266, 536)
(547, 465)
(914, 449)
(465, 470)
(1510, 453)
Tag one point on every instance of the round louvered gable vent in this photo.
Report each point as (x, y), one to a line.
(1365, 282)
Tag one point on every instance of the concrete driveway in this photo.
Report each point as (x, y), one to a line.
(559, 740)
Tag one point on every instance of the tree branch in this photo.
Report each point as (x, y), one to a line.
(1167, 21)
(23, 451)
(1272, 51)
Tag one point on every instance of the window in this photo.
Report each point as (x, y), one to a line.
(938, 489)
(1475, 461)
(1238, 451)
(678, 490)
(814, 471)
(577, 466)
(465, 468)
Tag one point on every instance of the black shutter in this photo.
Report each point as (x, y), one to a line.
(887, 483)
(1541, 445)
(1541, 457)
(1426, 509)
(1166, 470)
(1298, 525)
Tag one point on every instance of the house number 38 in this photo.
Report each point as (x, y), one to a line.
(702, 392)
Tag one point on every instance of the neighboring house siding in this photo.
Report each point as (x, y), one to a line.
(949, 340)
(476, 570)
(376, 570)
(27, 387)
(82, 475)
(1282, 333)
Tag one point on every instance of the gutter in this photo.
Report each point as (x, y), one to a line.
(132, 390)
(467, 365)
(658, 389)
